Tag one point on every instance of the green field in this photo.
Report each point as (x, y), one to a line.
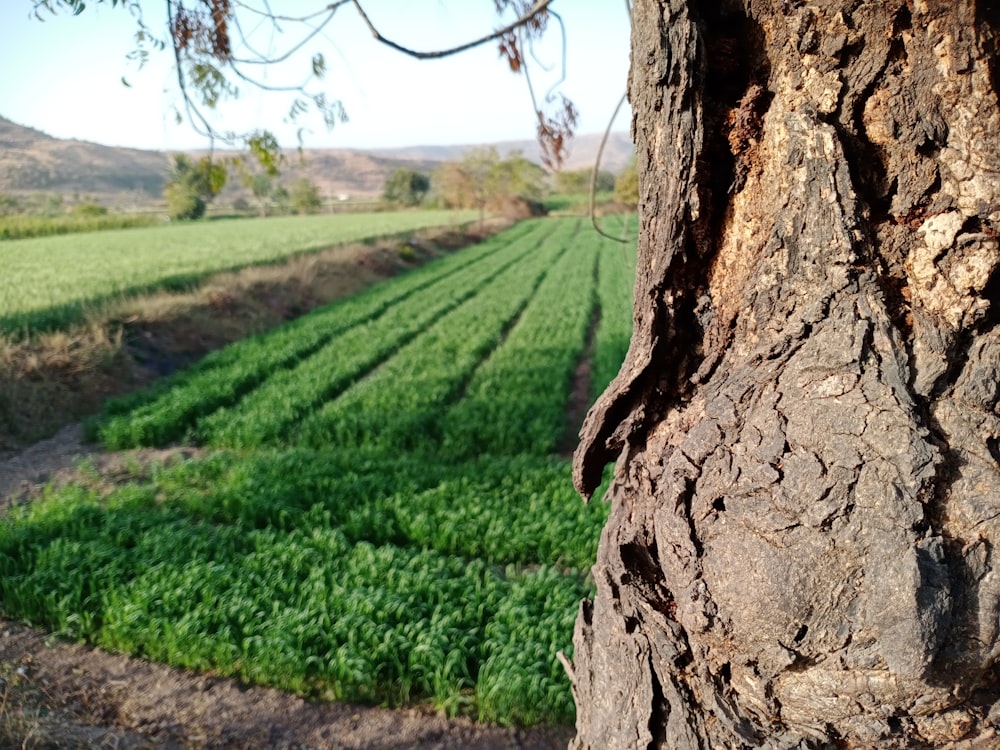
(380, 514)
(50, 281)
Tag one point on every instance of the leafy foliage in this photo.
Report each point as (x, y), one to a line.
(627, 186)
(305, 196)
(406, 187)
(483, 180)
(191, 185)
(577, 181)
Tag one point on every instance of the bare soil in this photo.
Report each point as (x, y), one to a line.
(55, 694)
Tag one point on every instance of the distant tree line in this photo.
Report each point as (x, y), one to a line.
(481, 180)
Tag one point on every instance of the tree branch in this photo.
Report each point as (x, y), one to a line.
(535, 9)
(624, 239)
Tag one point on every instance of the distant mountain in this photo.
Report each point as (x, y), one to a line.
(32, 161)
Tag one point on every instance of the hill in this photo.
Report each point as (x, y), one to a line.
(32, 161)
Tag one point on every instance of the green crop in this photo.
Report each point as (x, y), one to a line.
(165, 413)
(516, 402)
(382, 518)
(268, 414)
(616, 274)
(397, 406)
(49, 281)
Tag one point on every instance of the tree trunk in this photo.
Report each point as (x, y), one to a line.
(807, 494)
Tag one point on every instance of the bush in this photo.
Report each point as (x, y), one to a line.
(627, 186)
(183, 202)
(90, 208)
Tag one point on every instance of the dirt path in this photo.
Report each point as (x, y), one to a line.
(63, 695)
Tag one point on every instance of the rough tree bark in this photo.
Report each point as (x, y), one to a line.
(806, 502)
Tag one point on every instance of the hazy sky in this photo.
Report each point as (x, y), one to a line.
(64, 76)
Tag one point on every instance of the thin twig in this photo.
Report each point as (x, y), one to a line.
(593, 176)
(265, 60)
(624, 239)
(267, 14)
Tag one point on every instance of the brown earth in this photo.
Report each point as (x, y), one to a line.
(55, 694)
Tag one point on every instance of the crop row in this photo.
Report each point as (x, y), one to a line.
(49, 280)
(302, 599)
(397, 407)
(287, 402)
(614, 297)
(166, 412)
(517, 401)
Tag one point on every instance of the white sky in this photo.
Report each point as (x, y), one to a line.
(64, 76)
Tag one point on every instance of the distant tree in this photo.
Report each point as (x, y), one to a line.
(305, 196)
(261, 186)
(451, 186)
(52, 204)
(191, 185)
(9, 204)
(481, 169)
(406, 187)
(483, 180)
(90, 208)
(577, 181)
(627, 186)
(517, 177)
(281, 199)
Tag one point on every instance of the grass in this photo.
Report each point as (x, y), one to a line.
(51, 282)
